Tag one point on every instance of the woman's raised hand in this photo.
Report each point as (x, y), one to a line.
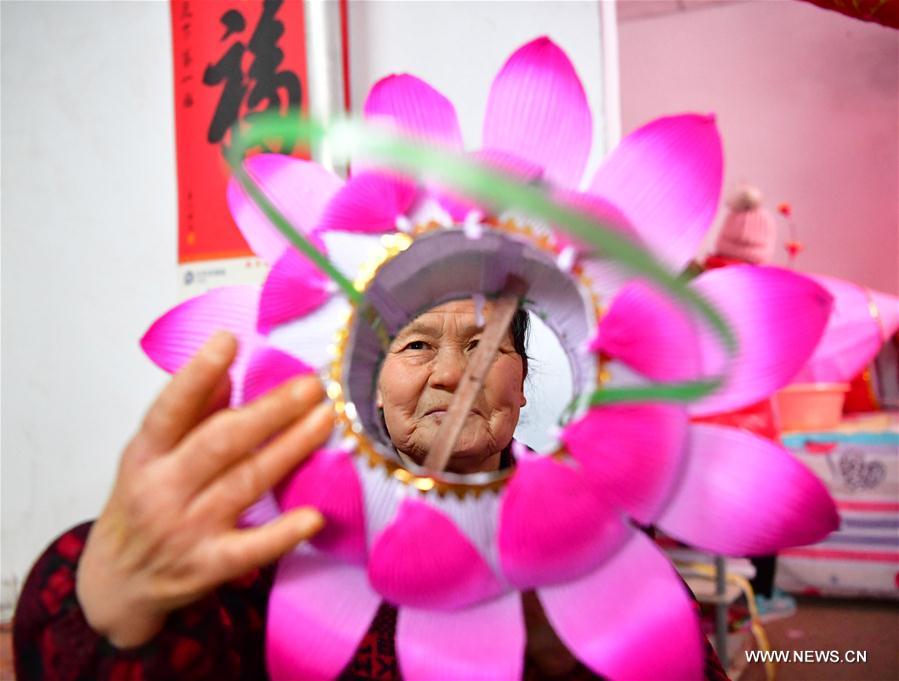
(167, 535)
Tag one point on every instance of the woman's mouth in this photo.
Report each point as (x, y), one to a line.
(441, 411)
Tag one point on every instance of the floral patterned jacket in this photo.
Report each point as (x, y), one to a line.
(220, 637)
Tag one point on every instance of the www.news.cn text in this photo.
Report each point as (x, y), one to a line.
(808, 656)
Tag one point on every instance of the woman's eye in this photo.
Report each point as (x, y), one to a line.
(416, 345)
(473, 344)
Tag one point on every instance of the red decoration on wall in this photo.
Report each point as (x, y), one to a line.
(884, 12)
(794, 248)
(232, 58)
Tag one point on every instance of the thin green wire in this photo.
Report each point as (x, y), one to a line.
(260, 131)
(350, 138)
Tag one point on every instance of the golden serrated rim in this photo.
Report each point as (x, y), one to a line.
(392, 245)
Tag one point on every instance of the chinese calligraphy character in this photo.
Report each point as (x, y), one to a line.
(262, 84)
(186, 16)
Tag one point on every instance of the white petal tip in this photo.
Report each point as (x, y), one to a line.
(403, 224)
(473, 231)
(443, 218)
(472, 224)
(473, 217)
(566, 259)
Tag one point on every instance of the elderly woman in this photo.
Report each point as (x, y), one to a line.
(421, 373)
(165, 585)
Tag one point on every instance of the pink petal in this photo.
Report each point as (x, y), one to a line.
(328, 482)
(666, 178)
(853, 336)
(630, 619)
(369, 202)
(777, 317)
(537, 110)
(268, 368)
(605, 276)
(485, 641)
(508, 163)
(539, 548)
(262, 511)
(650, 333)
(459, 206)
(632, 453)
(300, 189)
(597, 208)
(293, 288)
(422, 560)
(318, 611)
(456, 206)
(416, 108)
(744, 495)
(176, 336)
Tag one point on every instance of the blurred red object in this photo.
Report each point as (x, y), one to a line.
(716, 260)
(785, 209)
(794, 248)
(861, 396)
(885, 12)
(758, 418)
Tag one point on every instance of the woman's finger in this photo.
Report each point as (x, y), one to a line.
(218, 399)
(229, 436)
(183, 402)
(239, 551)
(246, 481)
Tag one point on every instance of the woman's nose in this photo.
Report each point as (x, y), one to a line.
(447, 369)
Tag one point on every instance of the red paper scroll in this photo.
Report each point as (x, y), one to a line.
(232, 58)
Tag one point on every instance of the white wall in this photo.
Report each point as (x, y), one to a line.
(89, 214)
(458, 47)
(89, 249)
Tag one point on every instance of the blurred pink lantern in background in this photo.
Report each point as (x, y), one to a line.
(862, 320)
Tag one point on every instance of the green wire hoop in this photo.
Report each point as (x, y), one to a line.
(348, 139)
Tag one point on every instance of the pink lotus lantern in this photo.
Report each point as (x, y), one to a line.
(452, 554)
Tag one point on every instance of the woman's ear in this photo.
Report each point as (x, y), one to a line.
(379, 402)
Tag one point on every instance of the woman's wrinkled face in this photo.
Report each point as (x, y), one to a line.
(421, 373)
